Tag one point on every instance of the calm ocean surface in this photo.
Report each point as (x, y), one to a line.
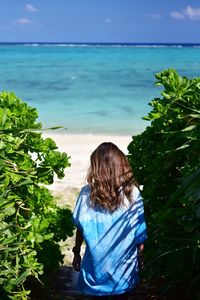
(92, 88)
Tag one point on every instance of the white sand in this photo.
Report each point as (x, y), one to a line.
(79, 147)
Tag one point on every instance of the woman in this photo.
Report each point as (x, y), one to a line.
(109, 216)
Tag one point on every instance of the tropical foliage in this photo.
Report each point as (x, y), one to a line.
(31, 224)
(166, 161)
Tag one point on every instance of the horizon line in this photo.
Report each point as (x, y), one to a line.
(103, 43)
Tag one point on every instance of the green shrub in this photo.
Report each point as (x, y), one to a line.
(166, 160)
(31, 224)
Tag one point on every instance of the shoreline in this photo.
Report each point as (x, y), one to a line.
(65, 131)
(79, 147)
(69, 142)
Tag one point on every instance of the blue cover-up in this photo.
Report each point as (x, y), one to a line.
(110, 262)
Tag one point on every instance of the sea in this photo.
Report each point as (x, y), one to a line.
(92, 88)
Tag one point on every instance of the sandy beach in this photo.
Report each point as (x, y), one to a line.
(79, 147)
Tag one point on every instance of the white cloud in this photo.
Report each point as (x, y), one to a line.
(192, 13)
(177, 15)
(30, 8)
(108, 20)
(188, 13)
(22, 21)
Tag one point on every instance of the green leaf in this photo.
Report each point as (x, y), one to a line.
(9, 209)
(9, 240)
(183, 147)
(195, 116)
(38, 238)
(189, 128)
(21, 278)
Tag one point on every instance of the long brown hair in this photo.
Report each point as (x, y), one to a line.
(110, 177)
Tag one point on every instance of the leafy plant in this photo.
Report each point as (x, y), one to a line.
(165, 159)
(31, 224)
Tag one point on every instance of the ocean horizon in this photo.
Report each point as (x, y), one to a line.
(170, 44)
(96, 88)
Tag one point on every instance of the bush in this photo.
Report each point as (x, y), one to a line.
(31, 224)
(166, 160)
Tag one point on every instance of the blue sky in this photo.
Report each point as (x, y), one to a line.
(100, 21)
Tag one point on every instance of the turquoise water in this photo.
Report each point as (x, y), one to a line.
(91, 89)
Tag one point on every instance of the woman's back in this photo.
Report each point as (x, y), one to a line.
(110, 264)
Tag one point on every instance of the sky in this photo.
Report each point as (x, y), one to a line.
(110, 21)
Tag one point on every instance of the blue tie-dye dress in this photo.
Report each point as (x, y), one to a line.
(110, 262)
